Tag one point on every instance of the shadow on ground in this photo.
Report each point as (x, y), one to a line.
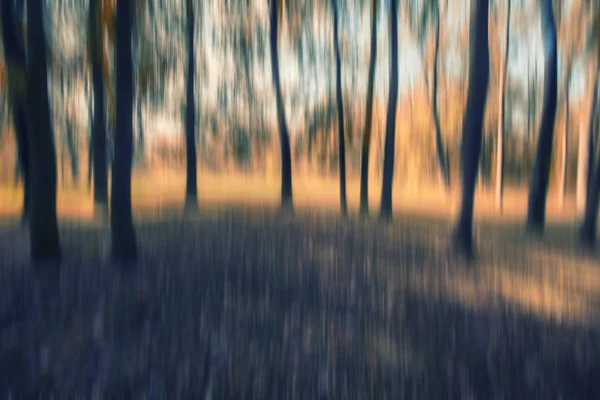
(250, 305)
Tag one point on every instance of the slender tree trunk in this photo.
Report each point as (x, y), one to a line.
(390, 129)
(479, 65)
(123, 234)
(90, 146)
(141, 150)
(98, 139)
(284, 137)
(20, 126)
(585, 146)
(442, 157)
(14, 56)
(562, 192)
(366, 147)
(589, 225)
(43, 226)
(501, 116)
(340, 110)
(71, 147)
(541, 170)
(191, 185)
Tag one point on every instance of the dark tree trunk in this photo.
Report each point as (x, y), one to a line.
(141, 150)
(14, 56)
(442, 157)
(390, 128)
(366, 147)
(43, 226)
(123, 234)
(501, 116)
(562, 192)
(72, 148)
(284, 137)
(20, 126)
(589, 225)
(585, 151)
(541, 170)
(98, 139)
(90, 146)
(479, 65)
(340, 110)
(191, 186)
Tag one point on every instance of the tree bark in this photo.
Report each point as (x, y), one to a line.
(284, 137)
(442, 157)
(390, 129)
(366, 147)
(191, 185)
(541, 171)
(562, 191)
(586, 145)
(141, 147)
(72, 149)
(501, 116)
(99, 129)
(124, 247)
(479, 65)
(340, 110)
(43, 224)
(14, 56)
(589, 225)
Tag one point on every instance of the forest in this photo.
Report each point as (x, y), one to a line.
(299, 198)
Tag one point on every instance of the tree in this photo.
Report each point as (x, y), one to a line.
(501, 115)
(420, 19)
(586, 136)
(390, 128)
(340, 110)
(284, 137)
(191, 189)
(98, 135)
(14, 56)
(538, 188)
(366, 147)
(479, 64)
(43, 225)
(122, 231)
(589, 225)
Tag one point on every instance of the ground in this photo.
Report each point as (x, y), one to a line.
(243, 302)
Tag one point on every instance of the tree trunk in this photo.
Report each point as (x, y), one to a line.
(123, 234)
(390, 129)
(442, 157)
(562, 192)
(71, 147)
(340, 110)
(501, 116)
(99, 129)
(366, 147)
(479, 64)
(589, 225)
(90, 146)
(284, 137)
(541, 170)
(191, 185)
(141, 150)
(43, 226)
(14, 56)
(585, 147)
(20, 126)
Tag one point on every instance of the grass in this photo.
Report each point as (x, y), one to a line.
(304, 307)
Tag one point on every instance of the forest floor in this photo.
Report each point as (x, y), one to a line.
(247, 303)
